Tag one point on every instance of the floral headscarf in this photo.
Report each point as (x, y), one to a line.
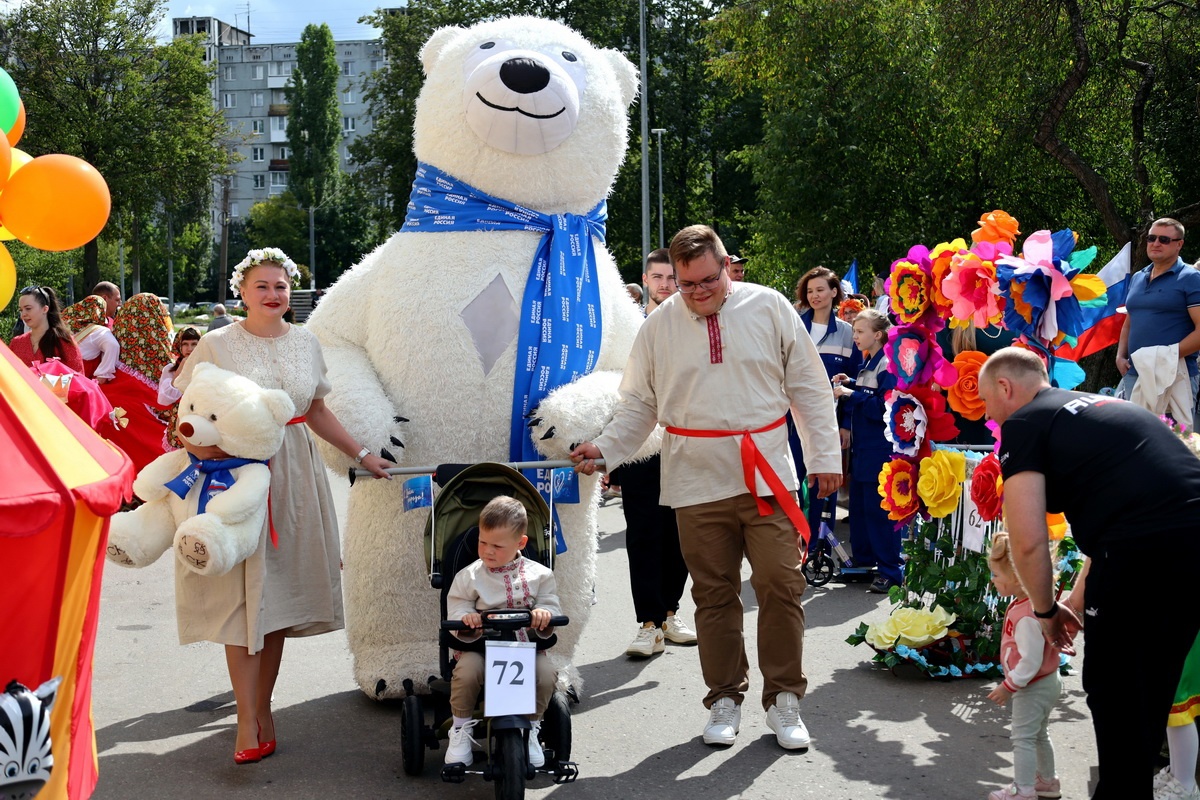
(91, 310)
(144, 337)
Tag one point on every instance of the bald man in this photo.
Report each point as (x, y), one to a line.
(1126, 484)
(112, 299)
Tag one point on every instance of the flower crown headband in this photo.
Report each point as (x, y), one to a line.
(256, 257)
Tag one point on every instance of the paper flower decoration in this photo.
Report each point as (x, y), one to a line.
(963, 394)
(940, 258)
(898, 488)
(1056, 524)
(940, 424)
(972, 287)
(941, 481)
(119, 418)
(910, 627)
(905, 423)
(1044, 287)
(998, 226)
(987, 488)
(910, 288)
(915, 358)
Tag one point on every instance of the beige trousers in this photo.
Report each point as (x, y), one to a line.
(468, 681)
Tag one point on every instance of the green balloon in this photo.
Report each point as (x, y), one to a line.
(10, 102)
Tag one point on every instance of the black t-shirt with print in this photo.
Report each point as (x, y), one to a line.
(1114, 469)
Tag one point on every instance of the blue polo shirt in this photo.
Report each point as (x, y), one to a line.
(1158, 309)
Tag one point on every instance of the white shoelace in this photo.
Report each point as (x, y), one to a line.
(457, 734)
(722, 715)
(647, 633)
(788, 715)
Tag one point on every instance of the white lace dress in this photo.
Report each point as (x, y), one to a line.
(297, 587)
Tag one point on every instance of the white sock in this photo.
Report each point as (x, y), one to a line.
(460, 721)
(1184, 743)
(1023, 789)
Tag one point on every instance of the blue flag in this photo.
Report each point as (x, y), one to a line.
(850, 282)
(418, 492)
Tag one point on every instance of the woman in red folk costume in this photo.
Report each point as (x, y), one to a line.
(145, 349)
(186, 339)
(48, 337)
(99, 348)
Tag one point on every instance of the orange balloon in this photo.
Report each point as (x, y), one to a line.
(19, 159)
(18, 129)
(55, 202)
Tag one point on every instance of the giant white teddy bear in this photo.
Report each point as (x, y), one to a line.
(520, 129)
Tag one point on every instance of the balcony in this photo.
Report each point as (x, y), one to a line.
(277, 81)
(277, 110)
(279, 137)
(278, 165)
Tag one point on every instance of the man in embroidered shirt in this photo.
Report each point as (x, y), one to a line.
(1164, 307)
(720, 364)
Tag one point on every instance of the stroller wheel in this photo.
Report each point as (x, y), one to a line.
(512, 757)
(556, 727)
(819, 570)
(412, 735)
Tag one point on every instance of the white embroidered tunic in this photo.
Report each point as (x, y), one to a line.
(520, 583)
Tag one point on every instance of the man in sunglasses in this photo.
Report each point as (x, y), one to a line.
(719, 365)
(1163, 305)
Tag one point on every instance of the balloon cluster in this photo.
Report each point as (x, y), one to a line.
(52, 202)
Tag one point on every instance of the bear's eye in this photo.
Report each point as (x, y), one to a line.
(191, 406)
(569, 56)
(213, 417)
(487, 45)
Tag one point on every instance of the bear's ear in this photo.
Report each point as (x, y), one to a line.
(280, 405)
(625, 73)
(433, 47)
(203, 367)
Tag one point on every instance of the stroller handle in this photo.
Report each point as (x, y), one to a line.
(503, 619)
(358, 472)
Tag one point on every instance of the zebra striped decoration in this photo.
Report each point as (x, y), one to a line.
(25, 755)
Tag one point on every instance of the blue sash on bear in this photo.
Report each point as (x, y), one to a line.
(560, 328)
(217, 477)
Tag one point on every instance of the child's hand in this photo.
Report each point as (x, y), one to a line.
(845, 436)
(1000, 696)
(837, 379)
(541, 619)
(472, 620)
(841, 391)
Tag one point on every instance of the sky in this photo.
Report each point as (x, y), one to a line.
(280, 21)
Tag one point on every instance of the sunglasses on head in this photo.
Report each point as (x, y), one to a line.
(1152, 238)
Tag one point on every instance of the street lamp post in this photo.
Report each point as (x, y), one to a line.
(645, 100)
(662, 236)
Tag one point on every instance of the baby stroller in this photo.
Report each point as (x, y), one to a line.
(451, 543)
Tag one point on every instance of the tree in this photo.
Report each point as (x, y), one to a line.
(314, 119)
(97, 85)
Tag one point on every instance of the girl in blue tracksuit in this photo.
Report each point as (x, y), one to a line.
(818, 294)
(873, 537)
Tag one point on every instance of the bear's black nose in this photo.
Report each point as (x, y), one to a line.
(524, 75)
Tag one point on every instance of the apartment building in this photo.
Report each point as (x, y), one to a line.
(249, 90)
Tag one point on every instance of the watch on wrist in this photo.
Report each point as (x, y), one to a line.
(1047, 615)
(361, 455)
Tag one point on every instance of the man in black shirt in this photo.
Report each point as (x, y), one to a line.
(1131, 491)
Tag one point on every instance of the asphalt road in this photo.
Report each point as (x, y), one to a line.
(165, 717)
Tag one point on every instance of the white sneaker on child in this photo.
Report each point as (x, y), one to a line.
(724, 719)
(1172, 789)
(459, 749)
(536, 757)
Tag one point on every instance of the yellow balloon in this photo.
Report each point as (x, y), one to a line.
(19, 159)
(8, 277)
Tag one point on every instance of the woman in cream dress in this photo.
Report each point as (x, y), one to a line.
(292, 588)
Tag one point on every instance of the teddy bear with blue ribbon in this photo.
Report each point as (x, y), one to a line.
(211, 512)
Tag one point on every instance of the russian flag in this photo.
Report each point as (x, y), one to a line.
(850, 282)
(1102, 322)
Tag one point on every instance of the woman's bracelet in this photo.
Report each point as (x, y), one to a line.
(361, 455)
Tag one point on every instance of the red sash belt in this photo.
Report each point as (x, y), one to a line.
(752, 460)
(270, 519)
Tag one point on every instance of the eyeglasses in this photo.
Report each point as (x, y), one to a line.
(687, 287)
(1152, 238)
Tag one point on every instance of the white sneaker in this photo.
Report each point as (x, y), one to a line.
(724, 719)
(784, 719)
(1172, 789)
(677, 631)
(536, 757)
(459, 749)
(1160, 779)
(647, 642)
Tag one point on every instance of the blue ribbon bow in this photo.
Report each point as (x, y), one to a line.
(218, 477)
(560, 329)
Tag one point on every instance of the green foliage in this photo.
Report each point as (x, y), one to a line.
(314, 119)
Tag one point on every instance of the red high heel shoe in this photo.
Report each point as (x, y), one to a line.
(248, 756)
(265, 748)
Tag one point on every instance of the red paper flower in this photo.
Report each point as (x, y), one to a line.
(987, 488)
(898, 488)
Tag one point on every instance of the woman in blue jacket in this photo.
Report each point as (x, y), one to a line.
(818, 294)
(873, 537)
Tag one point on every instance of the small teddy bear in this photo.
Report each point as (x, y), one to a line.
(211, 512)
